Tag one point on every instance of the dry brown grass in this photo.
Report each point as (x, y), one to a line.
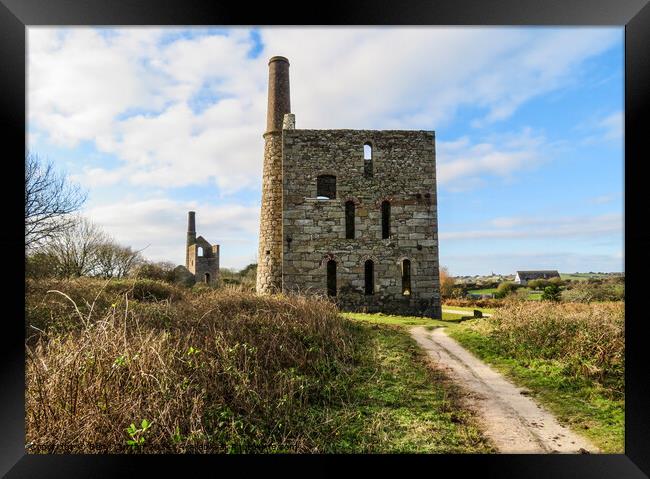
(223, 370)
(588, 338)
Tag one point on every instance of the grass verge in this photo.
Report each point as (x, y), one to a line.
(404, 321)
(589, 401)
(400, 403)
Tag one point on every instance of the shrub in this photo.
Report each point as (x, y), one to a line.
(183, 277)
(505, 288)
(551, 293)
(537, 284)
(587, 338)
(144, 289)
(41, 265)
(586, 292)
(222, 370)
(60, 305)
(161, 271)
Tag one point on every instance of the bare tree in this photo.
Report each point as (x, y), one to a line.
(50, 201)
(75, 248)
(115, 261)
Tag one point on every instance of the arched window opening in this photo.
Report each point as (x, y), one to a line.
(207, 278)
(367, 151)
(367, 160)
(370, 277)
(199, 251)
(326, 187)
(349, 219)
(385, 219)
(406, 277)
(331, 278)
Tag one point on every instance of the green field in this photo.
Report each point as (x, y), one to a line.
(582, 276)
(483, 291)
(537, 296)
(534, 296)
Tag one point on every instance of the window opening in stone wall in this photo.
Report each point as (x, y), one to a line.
(331, 278)
(207, 278)
(326, 187)
(370, 277)
(406, 277)
(385, 219)
(349, 219)
(199, 251)
(367, 160)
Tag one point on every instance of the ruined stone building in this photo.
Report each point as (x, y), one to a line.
(201, 258)
(348, 213)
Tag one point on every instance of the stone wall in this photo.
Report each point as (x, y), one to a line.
(313, 230)
(269, 258)
(207, 262)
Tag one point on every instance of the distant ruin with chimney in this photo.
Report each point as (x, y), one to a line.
(351, 214)
(201, 258)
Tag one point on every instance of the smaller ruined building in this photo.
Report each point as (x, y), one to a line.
(201, 258)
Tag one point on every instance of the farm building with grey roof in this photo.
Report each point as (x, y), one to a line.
(522, 277)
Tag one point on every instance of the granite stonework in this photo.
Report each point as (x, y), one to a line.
(314, 230)
(202, 258)
(269, 258)
(301, 232)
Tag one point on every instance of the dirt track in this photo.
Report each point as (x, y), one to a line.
(514, 422)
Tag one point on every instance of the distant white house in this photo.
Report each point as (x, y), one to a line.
(522, 277)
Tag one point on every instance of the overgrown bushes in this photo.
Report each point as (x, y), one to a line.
(588, 339)
(506, 288)
(220, 371)
(588, 291)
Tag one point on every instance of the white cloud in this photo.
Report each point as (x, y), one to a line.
(79, 81)
(461, 163)
(613, 126)
(610, 127)
(412, 77)
(131, 95)
(604, 199)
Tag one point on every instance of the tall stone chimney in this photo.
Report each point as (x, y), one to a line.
(191, 236)
(269, 261)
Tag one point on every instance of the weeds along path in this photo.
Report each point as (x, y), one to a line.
(514, 422)
(462, 312)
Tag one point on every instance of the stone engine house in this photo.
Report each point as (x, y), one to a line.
(348, 213)
(201, 258)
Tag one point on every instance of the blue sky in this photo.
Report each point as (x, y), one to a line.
(154, 122)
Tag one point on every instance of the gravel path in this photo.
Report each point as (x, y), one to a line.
(514, 422)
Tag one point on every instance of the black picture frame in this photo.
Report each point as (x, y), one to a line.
(16, 15)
